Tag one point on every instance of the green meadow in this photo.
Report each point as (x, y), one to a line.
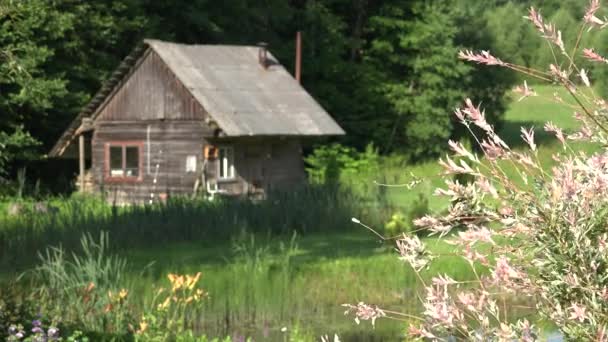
(275, 269)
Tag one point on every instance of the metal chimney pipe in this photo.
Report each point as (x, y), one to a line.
(263, 54)
(299, 57)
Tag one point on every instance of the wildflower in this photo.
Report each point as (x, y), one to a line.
(559, 73)
(524, 91)
(443, 280)
(460, 150)
(583, 75)
(591, 55)
(412, 251)
(528, 136)
(192, 280)
(548, 31)
(53, 332)
(505, 333)
(420, 333)
(503, 273)
(364, 312)
(164, 304)
(492, 150)
(484, 184)
(452, 168)
(472, 236)
(123, 294)
(559, 134)
(577, 312)
(143, 326)
(590, 18)
(484, 57)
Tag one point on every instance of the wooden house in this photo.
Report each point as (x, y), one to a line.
(176, 119)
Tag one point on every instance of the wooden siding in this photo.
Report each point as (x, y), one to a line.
(166, 144)
(152, 92)
(261, 165)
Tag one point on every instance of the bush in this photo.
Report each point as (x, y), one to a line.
(400, 223)
(532, 233)
(335, 164)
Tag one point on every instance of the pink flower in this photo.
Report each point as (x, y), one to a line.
(472, 236)
(443, 281)
(483, 57)
(548, 31)
(524, 91)
(452, 168)
(559, 134)
(420, 332)
(591, 55)
(460, 150)
(492, 150)
(412, 251)
(503, 272)
(474, 114)
(590, 18)
(364, 312)
(577, 312)
(558, 72)
(485, 186)
(528, 136)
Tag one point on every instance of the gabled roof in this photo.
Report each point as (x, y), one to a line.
(244, 98)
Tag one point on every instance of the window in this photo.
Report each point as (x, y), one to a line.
(191, 163)
(226, 162)
(123, 161)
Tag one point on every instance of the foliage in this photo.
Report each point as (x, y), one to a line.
(18, 144)
(331, 164)
(400, 223)
(39, 333)
(172, 311)
(13, 308)
(85, 289)
(541, 233)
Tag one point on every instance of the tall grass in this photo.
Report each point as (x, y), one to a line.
(309, 209)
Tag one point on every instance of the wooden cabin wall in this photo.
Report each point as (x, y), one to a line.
(169, 145)
(152, 92)
(261, 165)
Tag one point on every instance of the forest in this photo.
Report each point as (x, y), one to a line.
(385, 70)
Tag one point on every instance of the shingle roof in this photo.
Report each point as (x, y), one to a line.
(244, 98)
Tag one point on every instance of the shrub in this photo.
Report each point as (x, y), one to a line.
(400, 223)
(335, 164)
(530, 234)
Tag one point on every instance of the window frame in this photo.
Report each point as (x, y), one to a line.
(232, 175)
(123, 145)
